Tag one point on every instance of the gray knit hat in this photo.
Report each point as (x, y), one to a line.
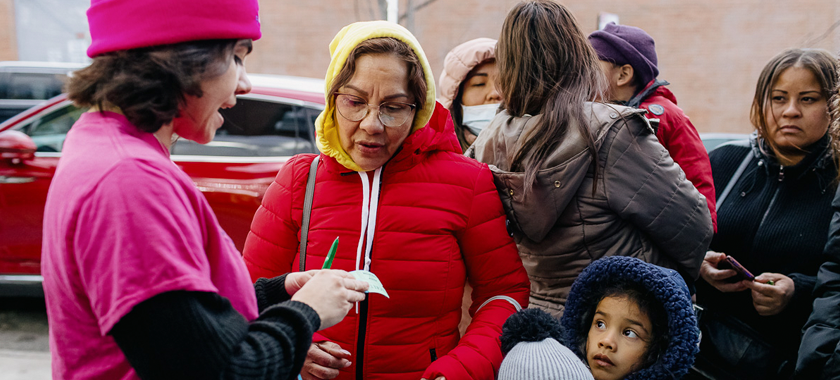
(531, 344)
(545, 360)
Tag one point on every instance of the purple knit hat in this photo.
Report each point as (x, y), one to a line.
(129, 24)
(624, 45)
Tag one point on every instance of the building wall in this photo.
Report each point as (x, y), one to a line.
(711, 51)
(8, 37)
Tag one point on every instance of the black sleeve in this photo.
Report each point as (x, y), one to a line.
(271, 291)
(819, 351)
(199, 335)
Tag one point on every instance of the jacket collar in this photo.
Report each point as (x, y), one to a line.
(651, 87)
(819, 158)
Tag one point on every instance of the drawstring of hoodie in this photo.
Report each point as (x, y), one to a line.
(370, 206)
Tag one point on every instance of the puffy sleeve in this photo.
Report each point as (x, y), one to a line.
(500, 287)
(819, 352)
(645, 187)
(273, 242)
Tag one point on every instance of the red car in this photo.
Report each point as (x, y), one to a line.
(266, 127)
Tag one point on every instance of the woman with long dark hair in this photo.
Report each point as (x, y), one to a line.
(579, 179)
(774, 194)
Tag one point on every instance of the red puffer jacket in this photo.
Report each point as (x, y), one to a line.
(439, 222)
(680, 138)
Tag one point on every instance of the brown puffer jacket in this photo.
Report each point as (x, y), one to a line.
(643, 205)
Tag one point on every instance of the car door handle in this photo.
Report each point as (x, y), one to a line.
(13, 180)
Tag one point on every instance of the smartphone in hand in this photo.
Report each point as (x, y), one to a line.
(730, 263)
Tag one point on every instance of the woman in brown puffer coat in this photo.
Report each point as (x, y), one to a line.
(580, 180)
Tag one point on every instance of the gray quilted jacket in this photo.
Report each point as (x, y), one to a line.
(643, 205)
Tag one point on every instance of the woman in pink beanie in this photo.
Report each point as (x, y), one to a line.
(140, 280)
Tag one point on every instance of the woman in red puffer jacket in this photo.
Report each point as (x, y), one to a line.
(392, 185)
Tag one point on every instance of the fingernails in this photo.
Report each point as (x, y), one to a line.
(345, 352)
(349, 363)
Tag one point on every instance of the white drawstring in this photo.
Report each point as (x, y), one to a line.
(365, 206)
(370, 205)
(374, 207)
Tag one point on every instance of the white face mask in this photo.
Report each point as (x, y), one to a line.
(476, 118)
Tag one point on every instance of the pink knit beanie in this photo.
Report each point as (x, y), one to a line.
(128, 24)
(459, 62)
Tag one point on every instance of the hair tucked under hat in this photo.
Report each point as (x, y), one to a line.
(531, 344)
(627, 45)
(130, 24)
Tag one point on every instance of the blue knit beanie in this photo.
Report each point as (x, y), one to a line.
(623, 45)
(666, 285)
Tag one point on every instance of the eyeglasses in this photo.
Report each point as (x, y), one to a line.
(391, 114)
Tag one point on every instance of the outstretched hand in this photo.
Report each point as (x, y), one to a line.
(331, 293)
(296, 280)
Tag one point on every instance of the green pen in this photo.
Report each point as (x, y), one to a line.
(331, 255)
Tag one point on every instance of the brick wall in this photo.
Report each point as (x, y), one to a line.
(711, 51)
(8, 37)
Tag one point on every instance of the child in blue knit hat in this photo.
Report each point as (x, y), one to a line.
(627, 319)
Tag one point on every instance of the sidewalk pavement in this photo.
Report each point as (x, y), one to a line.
(25, 365)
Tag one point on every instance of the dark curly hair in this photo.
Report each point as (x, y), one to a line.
(648, 305)
(150, 84)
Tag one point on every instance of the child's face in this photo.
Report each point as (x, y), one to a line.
(618, 338)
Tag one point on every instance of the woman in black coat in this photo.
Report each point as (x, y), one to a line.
(774, 194)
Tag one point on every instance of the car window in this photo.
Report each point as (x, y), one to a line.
(32, 85)
(256, 127)
(48, 132)
(252, 128)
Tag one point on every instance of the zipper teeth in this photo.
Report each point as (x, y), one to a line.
(769, 207)
(360, 342)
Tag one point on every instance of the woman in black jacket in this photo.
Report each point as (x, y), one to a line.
(819, 354)
(773, 193)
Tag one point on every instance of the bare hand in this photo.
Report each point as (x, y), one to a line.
(296, 280)
(717, 277)
(771, 299)
(323, 361)
(437, 378)
(331, 293)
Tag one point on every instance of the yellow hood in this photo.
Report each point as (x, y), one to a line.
(340, 48)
